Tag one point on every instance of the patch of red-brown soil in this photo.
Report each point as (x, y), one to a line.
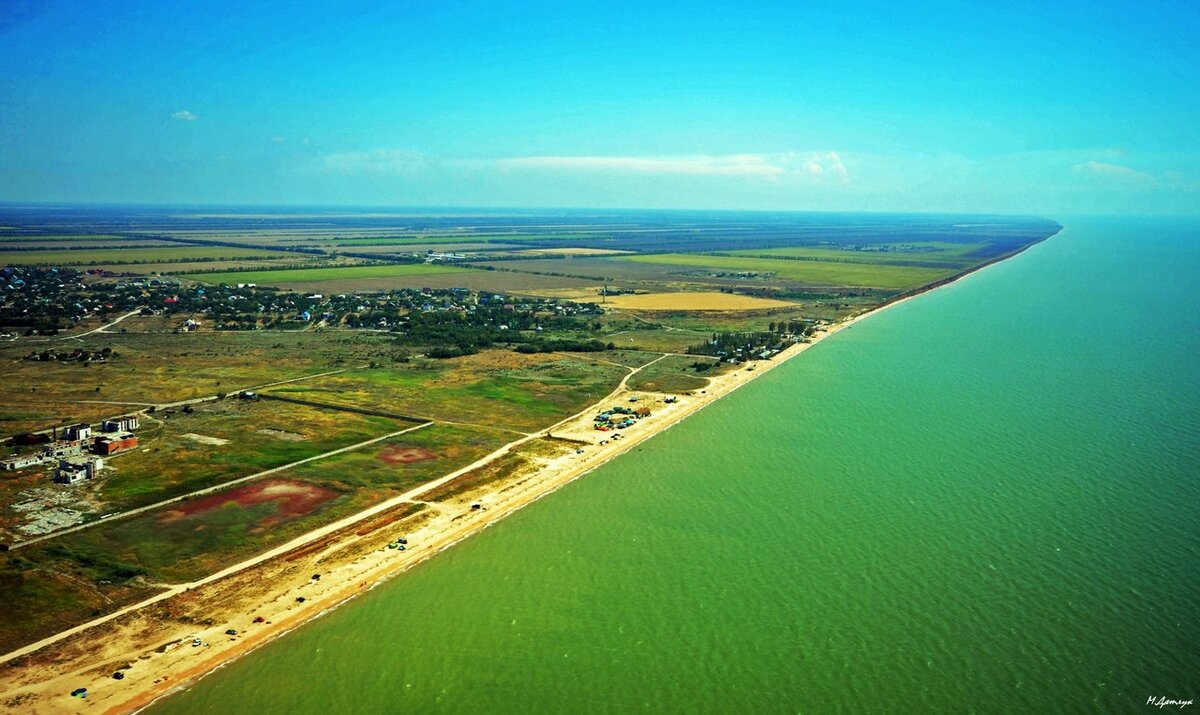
(398, 454)
(294, 498)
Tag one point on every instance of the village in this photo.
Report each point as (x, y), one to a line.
(46, 301)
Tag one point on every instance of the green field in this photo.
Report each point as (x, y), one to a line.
(9, 246)
(933, 253)
(496, 388)
(190, 539)
(409, 240)
(168, 546)
(45, 594)
(83, 257)
(321, 275)
(257, 436)
(158, 368)
(518, 462)
(184, 268)
(865, 275)
(6, 236)
(674, 374)
(439, 450)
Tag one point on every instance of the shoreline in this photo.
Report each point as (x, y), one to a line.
(130, 636)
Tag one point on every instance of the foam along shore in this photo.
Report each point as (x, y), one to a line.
(167, 643)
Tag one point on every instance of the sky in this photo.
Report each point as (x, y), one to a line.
(990, 107)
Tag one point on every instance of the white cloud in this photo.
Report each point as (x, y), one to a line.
(185, 115)
(769, 166)
(378, 161)
(1100, 168)
(827, 163)
(278, 140)
(739, 165)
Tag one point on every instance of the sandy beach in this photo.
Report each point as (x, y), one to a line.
(151, 643)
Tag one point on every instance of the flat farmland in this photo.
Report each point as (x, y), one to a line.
(582, 294)
(7, 236)
(81, 243)
(820, 273)
(419, 247)
(186, 267)
(368, 279)
(596, 270)
(348, 237)
(132, 255)
(496, 388)
(929, 253)
(576, 251)
(283, 236)
(341, 277)
(510, 283)
(409, 240)
(695, 300)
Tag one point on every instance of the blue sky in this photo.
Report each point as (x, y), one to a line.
(990, 107)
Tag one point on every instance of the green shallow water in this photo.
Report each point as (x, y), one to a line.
(983, 500)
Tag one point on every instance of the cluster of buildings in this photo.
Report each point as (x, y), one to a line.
(620, 417)
(79, 454)
(46, 300)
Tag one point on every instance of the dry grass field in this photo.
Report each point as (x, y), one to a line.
(577, 251)
(707, 300)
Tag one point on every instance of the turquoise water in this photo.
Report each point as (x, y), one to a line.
(983, 500)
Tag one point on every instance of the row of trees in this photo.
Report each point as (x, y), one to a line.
(739, 345)
(566, 346)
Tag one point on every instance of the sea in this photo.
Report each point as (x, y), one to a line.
(982, 500)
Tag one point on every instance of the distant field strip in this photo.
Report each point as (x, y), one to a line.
(866, 275)
(315, 275)
(133, 255)
(373, 248)
(79, 244)
(214, 266)
(15, 236)
(932, 254)
(706, 300)
(407, 240)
